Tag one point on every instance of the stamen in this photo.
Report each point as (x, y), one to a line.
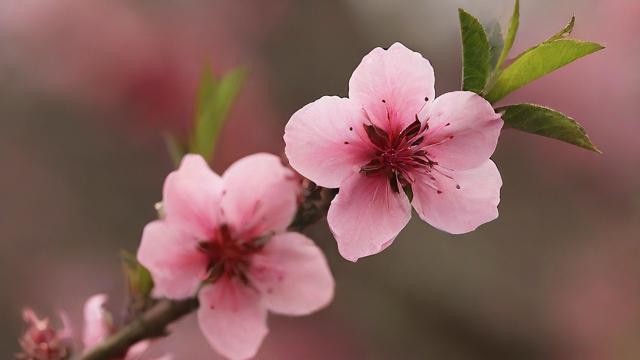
(446, 175)
(426, 123)
(432, 185)
(418, 141)
(426, 101)
(366, 115)
(410, 131)
(377, 136)
(450, 137)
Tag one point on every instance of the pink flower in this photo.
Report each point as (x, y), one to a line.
(98, 325)
(41, 341)
(228, 236)
(391, 134)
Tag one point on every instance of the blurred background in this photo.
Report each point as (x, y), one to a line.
(89, 86)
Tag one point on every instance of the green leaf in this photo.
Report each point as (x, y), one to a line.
(562, 34)
(139, 279)
(476, 53)
(537, 62)
(539, 120)
(215, 97)
(496, 41)
(566, 31)
(511, 35)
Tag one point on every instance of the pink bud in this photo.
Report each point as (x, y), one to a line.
(41, 341)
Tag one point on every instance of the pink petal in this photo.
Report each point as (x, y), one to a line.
(399, 76)
(315, 139)
(461, 210)
(367, 215)
(164, 357)
(292, 274)
(136, 351)
(232, 318)
(98, 324)
(473, 124)
(172, 257)
(260, 195)
(66, 332)
(191, 197)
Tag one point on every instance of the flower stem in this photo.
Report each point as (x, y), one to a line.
(153, 322)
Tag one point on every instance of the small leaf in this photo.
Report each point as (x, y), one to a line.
(539, 120)
(511, 35)
(476, 53)
(562, 34)
(537, 62)
(215, 97)
(139, 281)
(566, 31)
(496, 41)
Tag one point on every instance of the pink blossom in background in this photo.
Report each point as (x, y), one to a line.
(392, 133)
(227, 236)
(41, 341)
(98, 325)
(142, 63)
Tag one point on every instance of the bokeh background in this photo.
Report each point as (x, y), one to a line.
(87, 88)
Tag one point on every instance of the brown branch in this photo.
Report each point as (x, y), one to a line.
(314, 206)
(153, 322)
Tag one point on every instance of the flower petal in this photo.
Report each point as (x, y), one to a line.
(325, 140)
(367, 215)
(191, 196)
(260, 195)
(232, 318)
(136, 350)
(399, 76)
(461, 210)
(292, 274)
(98, 324)
(172, 257)
(463, 130)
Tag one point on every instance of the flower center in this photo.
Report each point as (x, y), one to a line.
(400, 157)
(229, 256)
(396, 156)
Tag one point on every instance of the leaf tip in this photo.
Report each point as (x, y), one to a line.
(594, 148)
